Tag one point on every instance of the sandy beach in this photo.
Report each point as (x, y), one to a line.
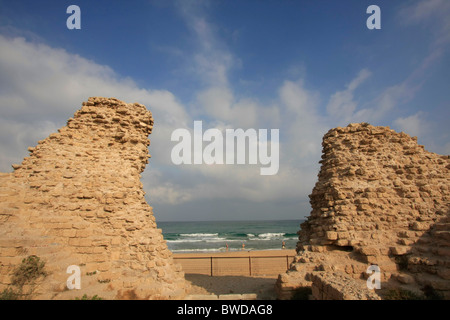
(235, 272)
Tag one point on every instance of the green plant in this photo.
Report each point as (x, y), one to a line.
(9, 294)
(104, 281)
(85, 297)
(28, 271)
(402, 294)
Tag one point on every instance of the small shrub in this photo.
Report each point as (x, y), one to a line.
(365, 124)
(429, 293)
(9, 294)
(104, 281)
(402, 294)
(85, 297)
(29, 270)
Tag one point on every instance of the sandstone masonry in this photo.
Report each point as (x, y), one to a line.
(78, 200)
(380, 199)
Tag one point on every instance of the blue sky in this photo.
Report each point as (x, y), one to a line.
(301, 66)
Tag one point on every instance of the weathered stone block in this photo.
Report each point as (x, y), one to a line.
(331, 235)
(400, 250)
(395, 185)
(80, 242)
(368, 251)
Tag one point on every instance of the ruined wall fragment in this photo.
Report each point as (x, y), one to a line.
(380, 199)
(78, 200)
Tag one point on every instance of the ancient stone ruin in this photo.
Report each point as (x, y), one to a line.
(78, 200)
(380, 199)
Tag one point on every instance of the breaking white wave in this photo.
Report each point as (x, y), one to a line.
(267, 236)
(199, 235)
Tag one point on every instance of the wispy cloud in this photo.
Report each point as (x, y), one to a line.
(414, 125)
(433, 14)
(211, 60)
(55, 84)
(41, 86)
(341, 105)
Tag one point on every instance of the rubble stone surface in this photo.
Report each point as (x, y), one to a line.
(380, 199)
(78, 200)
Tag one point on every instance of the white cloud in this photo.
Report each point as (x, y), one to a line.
(433, 13)
(298, 99)
(42, 95)
(17, 136)
(423, 9)
(162, 191)
(43, 84)
(342, 108)
(362, 76)
(341, 105)
(43, 87)
(211, 60)
(216, 102)
(303, 125)
(413, 125)
(393, 97)
(384, 103)
(219, 103)
(40, 87)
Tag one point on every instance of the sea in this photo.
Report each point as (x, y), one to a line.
(215, 236)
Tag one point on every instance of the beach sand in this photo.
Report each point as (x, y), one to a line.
(235, 272)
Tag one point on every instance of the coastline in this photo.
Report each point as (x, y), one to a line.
(238, 253)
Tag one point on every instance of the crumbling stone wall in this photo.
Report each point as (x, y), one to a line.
(78, 200)
(380, 199)
(336, 286)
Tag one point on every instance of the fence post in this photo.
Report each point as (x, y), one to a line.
(211, 266)
(250, 265)
(287, 262)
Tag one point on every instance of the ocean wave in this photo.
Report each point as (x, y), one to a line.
(199, 235)
(215, 237)
(198, 240)
(266, 236)
(271, 235)
(291, 235)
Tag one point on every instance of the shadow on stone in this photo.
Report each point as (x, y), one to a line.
(220, 285)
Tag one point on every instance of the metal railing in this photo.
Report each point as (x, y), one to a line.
(237, 265)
